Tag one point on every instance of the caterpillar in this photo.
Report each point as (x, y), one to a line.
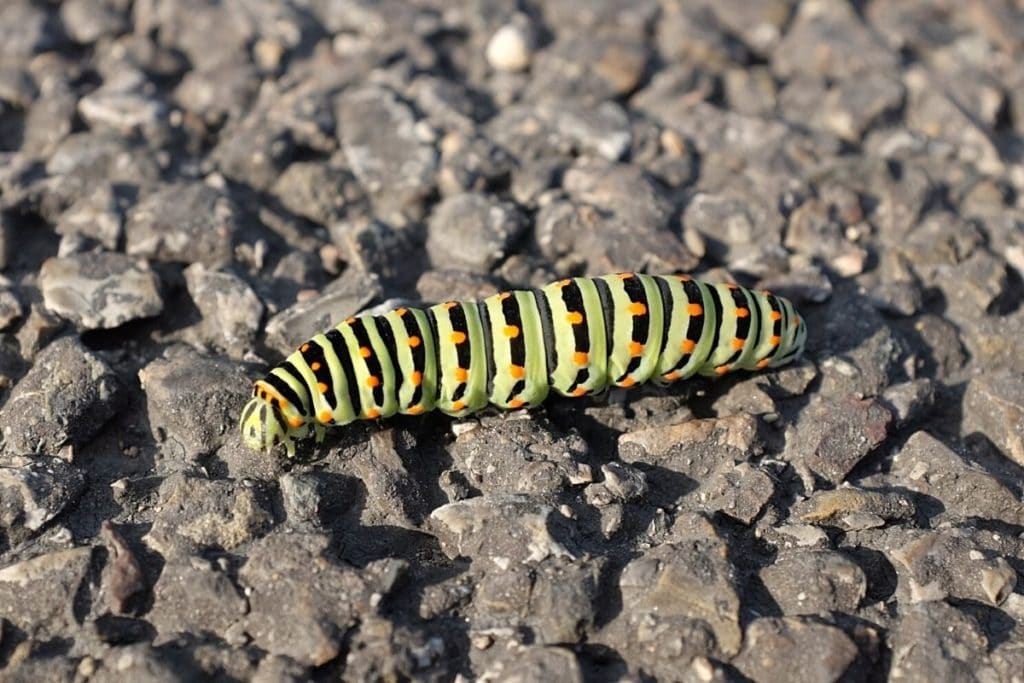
(575, 337)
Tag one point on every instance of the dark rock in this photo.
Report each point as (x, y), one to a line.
(379, 137)
(506, 529)
(27, 30)
(123, 580)
(855, 508)
(53, 579)
(538, 663)
(194, 595)
(855, 105)
(994, 406)
(910, 401)
(554, 599)
(188, 223)
(774, 648)
(217, 93)
(97, 216)
(435, 286)
(100, 290)
(813, 582)
(193, 401)
(589, 67)
(231, 310)
(197, 514)
(897, 298)
(620, 484)
(946, 564)
(963, 490)
(740, 491)
(472, 232)
(39, 327)
(256, 149)
(383, 650)
(519, 456)
(316, 191)
(33, 492)
(934, 641)
(302, 603)
(831, 437)
(344, 297)
(87, 21)
(472, 164)
(66, 397)
(10, 309)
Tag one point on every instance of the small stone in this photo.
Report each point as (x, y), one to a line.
(66, 397)
(231, 310)
(897, 298)
(317, 191)
(472, 232)
(740, 491)
(100, 290)
(773, 648)
(34, 491)
(193, 595)
(509, 49)
(537, 663)
(187, 223)
(53, 579)
(910, 401)
(10, 309)
(96, 216)
(86, 21)
(832, 436)
(193, 401)
(814, 582)
(196, 514)
(935, 641)
(123, 580)
(835, 507)
(994, 406)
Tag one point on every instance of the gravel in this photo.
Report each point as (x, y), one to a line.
(191, 189)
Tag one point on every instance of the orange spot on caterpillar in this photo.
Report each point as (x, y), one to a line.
(722, 369)
(742, 312)
(581, 358)
(670, 376)
(625, 276)
(449, 305)
(400, 312)
(796, 321)
(637, 308)
(738, 343)
(627, 382)
(349, 321)
(516, 403)
(731, 285)
(458, 405)
(458, 337)
(695, 309)
(635, 348)
(373, 381)
(574, 317)
(461, 374)
(763, 363)
(321, 387)
(579, 391)
(304, 348)
(414, 342)
(504, 295)
(365, 351)
(774, 341)
(511, 331)
(416, 378)
(372, 414)
(295, 421)
(563, 283)
(688, 346)
(776, 316)
(517, 371)
(326, 416)
(414, 410)
(314, 366)
(683, 278)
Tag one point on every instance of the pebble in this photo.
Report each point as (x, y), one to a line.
(509, 49)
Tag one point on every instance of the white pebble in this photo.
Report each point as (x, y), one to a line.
(508, 49)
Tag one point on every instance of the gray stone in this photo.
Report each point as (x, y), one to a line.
(52, 579)
(962, 490)
(934, 641)
(194, 595)
(317, 191)
(378, 135)
(199, 514)
(472, 232)
(910, 401)
(190, 223)
(26, 30)
(231, 311)
(994, 406)
(33, 492)
(343, 298)
(537, 663)
(193, 401)
(774, 648)
(832, 436)
(66, 397)
(97, 216)
(122, 580)
(123, 109)
(86, 21)
(10, 309)
(814, 582)
(847, 506)
(100, 290)
(897, 298)
(589, 67)
(255, 149)
(936, 565)
(504, 529)
(740, 491)
(855, 105)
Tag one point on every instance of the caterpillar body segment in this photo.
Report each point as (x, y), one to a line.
(573, 337)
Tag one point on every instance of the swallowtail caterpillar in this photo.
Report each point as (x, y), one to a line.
(575, 337)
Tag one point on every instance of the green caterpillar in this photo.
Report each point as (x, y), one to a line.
(576, 337)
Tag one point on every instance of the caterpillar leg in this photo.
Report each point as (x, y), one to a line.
(263, 427)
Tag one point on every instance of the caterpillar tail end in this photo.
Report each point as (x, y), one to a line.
(263, 427)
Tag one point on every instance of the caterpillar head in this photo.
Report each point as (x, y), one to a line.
(263, 427)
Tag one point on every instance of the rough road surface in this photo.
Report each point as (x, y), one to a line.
(189, 188)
